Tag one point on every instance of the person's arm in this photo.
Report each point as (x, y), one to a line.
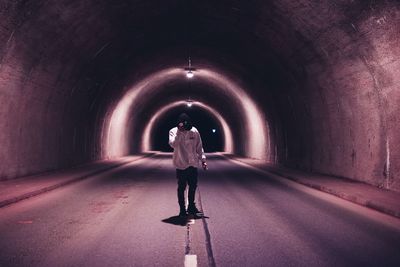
(200, 151)
(174, 137)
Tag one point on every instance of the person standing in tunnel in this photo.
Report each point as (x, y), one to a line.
(188, 153)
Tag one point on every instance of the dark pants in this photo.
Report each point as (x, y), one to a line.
(186, 176)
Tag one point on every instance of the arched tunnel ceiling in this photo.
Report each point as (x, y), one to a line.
(158, 116)
(128, 114)
(181, 91)
(323, 73)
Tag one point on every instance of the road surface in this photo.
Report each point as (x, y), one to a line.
(127, 217)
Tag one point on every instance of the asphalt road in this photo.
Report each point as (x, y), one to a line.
(126, 217)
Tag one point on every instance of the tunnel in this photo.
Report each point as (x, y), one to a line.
(209, 128)
(306, 86)
(310, 86)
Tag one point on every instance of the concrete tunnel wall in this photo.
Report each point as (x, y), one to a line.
(325, 75)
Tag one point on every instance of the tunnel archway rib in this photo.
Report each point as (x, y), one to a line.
(115, 137)
(228, 139)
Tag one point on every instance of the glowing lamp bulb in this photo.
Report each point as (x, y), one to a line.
(189, 74)
(213, 130)
(189, 104)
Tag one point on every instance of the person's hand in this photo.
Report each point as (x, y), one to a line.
(205, 167)
(181, 127)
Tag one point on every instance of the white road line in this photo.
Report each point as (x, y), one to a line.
(190, 260)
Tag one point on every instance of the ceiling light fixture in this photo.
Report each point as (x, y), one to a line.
(189, 74)
(189, 103)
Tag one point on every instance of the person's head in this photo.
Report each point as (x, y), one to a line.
(185, 121)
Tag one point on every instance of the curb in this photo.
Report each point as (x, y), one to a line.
(357, 200)
(13, 200)
(360, 201)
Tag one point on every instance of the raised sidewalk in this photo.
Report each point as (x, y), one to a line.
(14, 190)
(361, 193)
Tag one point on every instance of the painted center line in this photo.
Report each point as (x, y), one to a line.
(190, 260)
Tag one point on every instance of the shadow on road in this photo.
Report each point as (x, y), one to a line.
(176, 220)
(182, 221)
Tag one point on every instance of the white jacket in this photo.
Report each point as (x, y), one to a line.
(188, 148)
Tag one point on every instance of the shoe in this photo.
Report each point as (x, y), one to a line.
(193, 210)
(182, 213)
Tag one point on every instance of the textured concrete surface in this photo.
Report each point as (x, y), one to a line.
(324, 75)
(15, 190)
(379, 199)
(122, 217)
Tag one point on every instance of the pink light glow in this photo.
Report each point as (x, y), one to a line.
(228, 144)
(116, 142)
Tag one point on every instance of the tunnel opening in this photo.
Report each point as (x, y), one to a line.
(227, 131)
(209, 128)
